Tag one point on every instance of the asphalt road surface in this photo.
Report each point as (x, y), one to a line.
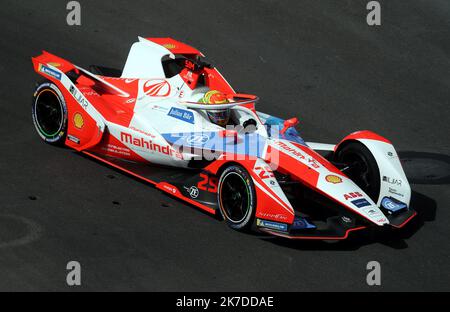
(315, 59)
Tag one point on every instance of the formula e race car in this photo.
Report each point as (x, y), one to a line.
(256, 171)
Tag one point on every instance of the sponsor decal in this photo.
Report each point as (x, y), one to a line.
(331, 178)
(272, 225)
(393, 181)
(360, 203)
(346, 219)
(79, 97)
(54, 64)
(160, 108)
(352, 195)
(372, 212)
(117, 149)
(78, 121)
(294, 152)
(170, 188)
(182, 114)
(190, 65)
(301, 223)
(50, 72)
(277, 216)
(88, 91)
(169, 46)
(264, 172)
(392, 204)
(395, 192)
(197, 139)
(193, 191)
(142, 132)
(156, 88)
(73, 139)
(149, 145)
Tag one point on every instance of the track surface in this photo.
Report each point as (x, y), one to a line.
(317, 60)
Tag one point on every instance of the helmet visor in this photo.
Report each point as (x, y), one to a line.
(219, 117)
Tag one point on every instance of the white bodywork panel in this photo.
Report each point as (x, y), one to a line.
(321, 146)
(393, 179)
(144, 60)
(270, 182)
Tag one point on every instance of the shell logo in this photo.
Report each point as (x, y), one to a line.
(156, 87)
(333, 179)
(78, 120)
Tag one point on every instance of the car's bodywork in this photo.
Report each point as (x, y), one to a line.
(147, 122)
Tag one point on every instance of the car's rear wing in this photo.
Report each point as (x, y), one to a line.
(49, 59)
(51, 66)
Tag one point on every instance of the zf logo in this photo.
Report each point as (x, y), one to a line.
(197, 139)
(193, 191)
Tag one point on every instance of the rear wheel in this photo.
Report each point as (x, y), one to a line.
(49, 113)
(361, 167)
(237, 199)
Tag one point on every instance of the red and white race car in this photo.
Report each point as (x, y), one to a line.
(256, 172)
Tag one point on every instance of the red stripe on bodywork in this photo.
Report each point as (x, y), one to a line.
(405, 222)
(364, 134)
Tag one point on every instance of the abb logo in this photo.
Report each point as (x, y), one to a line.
(353, 195)
(156, 87)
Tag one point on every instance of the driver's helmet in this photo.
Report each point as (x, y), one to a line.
(218, 116)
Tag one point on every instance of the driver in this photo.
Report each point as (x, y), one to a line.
(217, 116)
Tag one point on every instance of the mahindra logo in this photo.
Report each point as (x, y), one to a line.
(149, 145)
(156, 87)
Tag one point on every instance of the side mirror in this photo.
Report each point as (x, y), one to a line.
(289, 123)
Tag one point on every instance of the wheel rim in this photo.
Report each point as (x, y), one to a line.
(49, 113)
(234, 197)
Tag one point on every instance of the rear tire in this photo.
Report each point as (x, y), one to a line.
(363, 168)
(49, 113)
(237, 198)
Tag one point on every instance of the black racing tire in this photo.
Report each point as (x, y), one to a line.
(237, 198)
(363, 169)
(49, 113)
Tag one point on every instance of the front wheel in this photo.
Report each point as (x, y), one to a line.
(49, 113)
(361, 167)
(237, 198)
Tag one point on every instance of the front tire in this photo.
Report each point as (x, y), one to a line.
(237, 198)
(49, 113)
(362, 167)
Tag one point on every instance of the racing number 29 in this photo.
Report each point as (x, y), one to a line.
(208, 183)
